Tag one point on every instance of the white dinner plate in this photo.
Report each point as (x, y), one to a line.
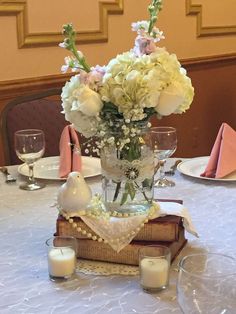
(48, 168)
(195, 166)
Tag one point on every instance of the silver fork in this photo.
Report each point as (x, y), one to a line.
(173, 168)
(8, 176)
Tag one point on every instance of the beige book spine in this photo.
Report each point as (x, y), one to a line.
(93, 250)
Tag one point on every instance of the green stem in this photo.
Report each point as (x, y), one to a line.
(145, 196)
(154, 8)
(70, 40)
(118, 185)
(82, 61)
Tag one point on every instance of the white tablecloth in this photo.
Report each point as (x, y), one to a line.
(27, 220)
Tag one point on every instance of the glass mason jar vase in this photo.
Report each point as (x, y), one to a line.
(128, 171)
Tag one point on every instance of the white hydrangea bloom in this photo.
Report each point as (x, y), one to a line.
(149, 81)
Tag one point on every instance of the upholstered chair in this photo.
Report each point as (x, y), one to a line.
(36, 111)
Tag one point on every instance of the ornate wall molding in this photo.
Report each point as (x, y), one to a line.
(203, 31)
(13, 88)
(26, 39)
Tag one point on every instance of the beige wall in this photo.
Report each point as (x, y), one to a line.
(48, 16)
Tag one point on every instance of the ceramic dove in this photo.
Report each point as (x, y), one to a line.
(74, 195)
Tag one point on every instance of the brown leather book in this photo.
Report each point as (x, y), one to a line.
(160, 229)
(93, 250)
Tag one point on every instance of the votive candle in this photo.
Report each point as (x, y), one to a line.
(61, 257)
(61, 262)
(154, 264)
(154, 272)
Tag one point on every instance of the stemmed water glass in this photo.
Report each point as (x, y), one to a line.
(30, 147)
(164, 141)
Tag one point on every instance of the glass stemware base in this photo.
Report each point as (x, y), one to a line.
(32, 186)
(163, 182)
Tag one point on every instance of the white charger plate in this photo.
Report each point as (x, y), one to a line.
(195, 166)
(48, 168)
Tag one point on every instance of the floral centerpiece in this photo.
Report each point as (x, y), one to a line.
(114, 103)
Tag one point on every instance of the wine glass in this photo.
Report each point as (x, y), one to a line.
(164, 141)
(206, 284)
(30, 147)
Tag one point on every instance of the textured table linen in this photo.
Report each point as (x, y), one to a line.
(27, 220)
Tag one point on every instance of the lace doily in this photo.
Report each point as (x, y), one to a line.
(120, 169)
(89, 267)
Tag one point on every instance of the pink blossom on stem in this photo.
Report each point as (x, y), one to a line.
(93, 78)
(144, 46)
(83, 77)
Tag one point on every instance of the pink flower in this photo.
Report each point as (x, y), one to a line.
(83, 77)
(94, 78)
(144, 46)
(97, 73)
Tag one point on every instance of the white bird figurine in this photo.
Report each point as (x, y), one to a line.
(74, 195)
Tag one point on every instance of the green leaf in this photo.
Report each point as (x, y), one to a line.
(109, 107)
(124, 198)
(131, 189)
(147, 183)
(149, 112)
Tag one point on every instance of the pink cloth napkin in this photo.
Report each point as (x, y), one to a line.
(223, 155)
(70, 153)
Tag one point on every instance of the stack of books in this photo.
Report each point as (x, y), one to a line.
(167, 231)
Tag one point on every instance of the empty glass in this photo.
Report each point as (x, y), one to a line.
(30, 147)
(164, 141)
(207, 284)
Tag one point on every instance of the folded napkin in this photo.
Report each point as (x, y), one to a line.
(222, 159)
(70, 153)
(120, 227)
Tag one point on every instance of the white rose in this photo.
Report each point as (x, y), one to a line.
(86, 100)
(169, 101)
(84, 124)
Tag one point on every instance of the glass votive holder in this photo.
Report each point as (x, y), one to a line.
(206, 284)
(61, 257)
(154, 266)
